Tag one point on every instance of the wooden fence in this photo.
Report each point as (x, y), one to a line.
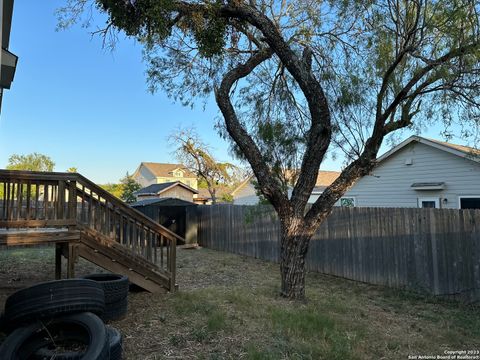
(428, 250)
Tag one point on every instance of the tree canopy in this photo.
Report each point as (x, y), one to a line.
(295, 80)
(196, 156)
(31, 162)
(128, 187)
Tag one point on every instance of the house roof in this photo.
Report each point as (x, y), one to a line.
(324, 179)
(165, 170)
(156, 189)
(459, 150)
(176, 201)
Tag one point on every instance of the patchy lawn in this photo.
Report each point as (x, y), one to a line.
(228, 307)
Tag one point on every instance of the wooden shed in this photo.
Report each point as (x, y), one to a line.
(175, 214)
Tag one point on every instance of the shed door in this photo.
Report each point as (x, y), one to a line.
(173, 218)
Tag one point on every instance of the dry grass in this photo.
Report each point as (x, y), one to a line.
(228, 308)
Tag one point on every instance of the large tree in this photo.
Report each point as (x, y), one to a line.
(31, 162)
(128, 188)
(295, 79)
(192, 152)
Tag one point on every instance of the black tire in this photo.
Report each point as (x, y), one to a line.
(86, 329)
(115, 343)
(114, 285)
(116, 310)
(2, 322)
(53, 299)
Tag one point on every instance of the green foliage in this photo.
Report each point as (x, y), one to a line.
(146, 20)
(150, 22)
(209, 30)
(227, 198)
(72, 169)
(194, 154)
(129, 186)
(114, 189)
(31, 162)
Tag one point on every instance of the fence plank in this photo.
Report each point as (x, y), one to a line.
(429, 250)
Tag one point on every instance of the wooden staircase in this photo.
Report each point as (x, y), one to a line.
(83, 220)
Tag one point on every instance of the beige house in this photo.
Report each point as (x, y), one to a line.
(176, 190)
(246, 194)
(149, 173)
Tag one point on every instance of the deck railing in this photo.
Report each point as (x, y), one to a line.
(51, 200)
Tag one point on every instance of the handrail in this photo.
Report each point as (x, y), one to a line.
(55, 176)
(134, 213)
(43, 199)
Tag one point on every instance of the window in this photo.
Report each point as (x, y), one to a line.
(429, 203)
(347, 202)
(469, 202)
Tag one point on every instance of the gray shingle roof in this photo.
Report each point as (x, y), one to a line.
(175, 201)
(154, 188)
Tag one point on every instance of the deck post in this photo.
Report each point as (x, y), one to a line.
(173, 264)
(58, 261)
(72, 257)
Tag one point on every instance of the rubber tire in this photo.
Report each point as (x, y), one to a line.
(115, 311)
(26, 341)
(114, 285)
(115, 340)
(53, 299)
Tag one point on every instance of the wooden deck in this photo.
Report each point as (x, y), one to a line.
(83, 220)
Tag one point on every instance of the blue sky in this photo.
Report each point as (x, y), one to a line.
(90, 108)
(86, 107)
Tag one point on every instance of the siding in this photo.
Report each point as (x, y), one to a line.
(192, 182)
(144, 177)
(246, 195)
(177, 192)
(389, 185)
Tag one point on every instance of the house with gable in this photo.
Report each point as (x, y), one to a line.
(174, 190)
(150, 173)
(246, 194)
(423, 173)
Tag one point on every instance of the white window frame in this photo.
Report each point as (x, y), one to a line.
(467, 197)
(435, 199)
(349, 197)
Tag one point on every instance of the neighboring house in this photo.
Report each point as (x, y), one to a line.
(203, 197)
(176, 190)
(149, 173)
(324, 179)
(8, 60)
(245, 193)
(421, 172)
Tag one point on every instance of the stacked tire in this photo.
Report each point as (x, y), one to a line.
(115, 288)
(60, 320)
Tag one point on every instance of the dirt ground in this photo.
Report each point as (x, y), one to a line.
(228, 307)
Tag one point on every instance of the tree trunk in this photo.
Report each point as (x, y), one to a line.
(213, 195)
(294, 247)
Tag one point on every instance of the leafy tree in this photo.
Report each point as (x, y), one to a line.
(114, 189)
(296, 79)
(31, 162)
(72, 169)
(195, 155)
(129, 186)
(227, 198)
